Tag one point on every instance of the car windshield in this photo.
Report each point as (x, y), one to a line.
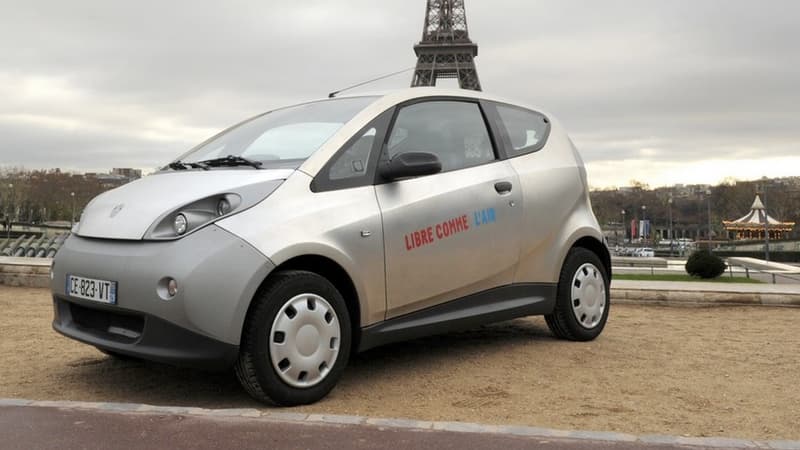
(280, 138)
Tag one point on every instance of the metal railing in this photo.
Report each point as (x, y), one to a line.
(794, 276)
(675, 267)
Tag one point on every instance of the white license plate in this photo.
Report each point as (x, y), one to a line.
(92, 289)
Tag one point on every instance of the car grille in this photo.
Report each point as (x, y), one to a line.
(102, 323)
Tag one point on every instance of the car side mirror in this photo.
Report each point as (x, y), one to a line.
(410, 164)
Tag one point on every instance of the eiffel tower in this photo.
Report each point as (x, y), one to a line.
(446, 50)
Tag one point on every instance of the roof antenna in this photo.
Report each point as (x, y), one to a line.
(335, 93)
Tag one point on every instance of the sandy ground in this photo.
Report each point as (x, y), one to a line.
(697, 372)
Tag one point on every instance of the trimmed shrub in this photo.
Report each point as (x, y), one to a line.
(704, 264)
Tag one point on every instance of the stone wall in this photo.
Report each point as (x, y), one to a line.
(29, 272)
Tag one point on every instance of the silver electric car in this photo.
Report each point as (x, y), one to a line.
(285, 243)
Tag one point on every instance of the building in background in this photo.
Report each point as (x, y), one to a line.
(127, 172)
(116, 177)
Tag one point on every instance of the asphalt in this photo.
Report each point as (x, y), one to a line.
(30, 427)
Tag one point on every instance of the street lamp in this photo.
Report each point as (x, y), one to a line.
(644, 223)
(624, 233)
(708, 197)
(8, 218)
(72, 219)
(766, 221)
(669, 203)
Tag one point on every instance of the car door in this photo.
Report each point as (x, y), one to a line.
(454, 233)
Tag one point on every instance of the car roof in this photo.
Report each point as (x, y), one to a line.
(406, 94)
(314, 163)
(418, 92)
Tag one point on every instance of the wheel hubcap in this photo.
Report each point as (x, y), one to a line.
(588, 295)
(304, 340)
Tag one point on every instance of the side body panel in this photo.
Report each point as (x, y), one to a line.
(557, 211)
(342, 225)
(448, 235)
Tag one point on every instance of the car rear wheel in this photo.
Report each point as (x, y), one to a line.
(583, 299)
(296, 340)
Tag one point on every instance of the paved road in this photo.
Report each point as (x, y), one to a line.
(64, 429)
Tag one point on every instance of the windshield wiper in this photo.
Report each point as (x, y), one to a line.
(231, 161)
(179, 165)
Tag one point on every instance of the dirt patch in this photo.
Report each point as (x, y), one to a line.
(696, 371)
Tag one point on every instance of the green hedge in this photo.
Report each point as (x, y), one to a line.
(703, 264)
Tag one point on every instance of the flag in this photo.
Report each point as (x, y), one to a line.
(644, 229)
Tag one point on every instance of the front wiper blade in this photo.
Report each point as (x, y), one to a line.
(231, 161)
(179, 165)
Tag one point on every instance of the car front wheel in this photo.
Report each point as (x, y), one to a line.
(296, 340)
(583, 299)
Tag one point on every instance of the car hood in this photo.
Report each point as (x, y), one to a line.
(127, 212)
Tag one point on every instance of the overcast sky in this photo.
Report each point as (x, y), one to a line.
(688, 91)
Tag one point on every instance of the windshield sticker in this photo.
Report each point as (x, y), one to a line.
(449, 228)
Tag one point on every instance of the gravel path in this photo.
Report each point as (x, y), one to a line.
(680, 371)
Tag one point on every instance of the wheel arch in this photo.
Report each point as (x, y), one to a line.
(598, 248)
(333, 272)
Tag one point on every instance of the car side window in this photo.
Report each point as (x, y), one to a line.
(454, 131)
(527, 130)
(353, 161)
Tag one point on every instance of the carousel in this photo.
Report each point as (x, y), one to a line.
(752, 226)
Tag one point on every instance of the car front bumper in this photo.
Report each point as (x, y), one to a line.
(217, 275)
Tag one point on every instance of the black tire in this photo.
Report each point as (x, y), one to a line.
(563, 321)
(255, 369)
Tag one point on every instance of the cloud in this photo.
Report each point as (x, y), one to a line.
(670, 84)
(664, 173)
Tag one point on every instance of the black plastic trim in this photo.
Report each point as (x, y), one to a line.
(494, 305)
(149, 337)
(496, 128)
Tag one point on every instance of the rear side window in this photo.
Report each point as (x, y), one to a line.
(527, 130)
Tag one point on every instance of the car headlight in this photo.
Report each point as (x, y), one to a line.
(223, 206)
(180, 225)
(191, 217)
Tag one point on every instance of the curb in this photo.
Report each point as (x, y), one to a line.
(25, 272)
(694, 293)
(702, 298)
(456, 427)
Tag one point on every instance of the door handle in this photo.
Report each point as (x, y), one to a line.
(502, 187)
